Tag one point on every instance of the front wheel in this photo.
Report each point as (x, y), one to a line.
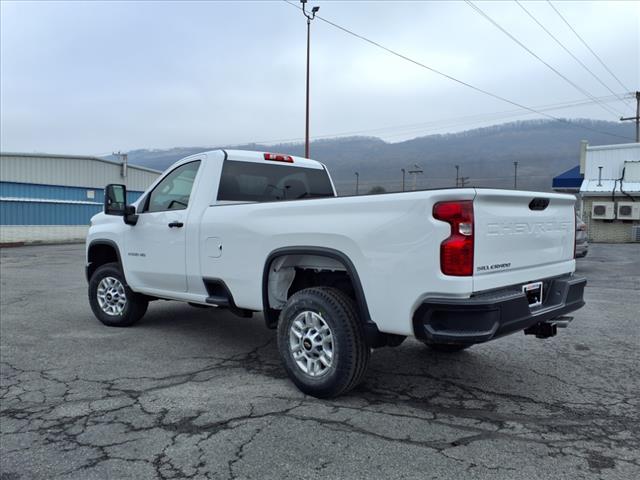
(111, 299)
(322, 342)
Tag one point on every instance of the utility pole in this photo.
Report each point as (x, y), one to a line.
(636, 118)
(310, 16)
(124, 159)
(403, 172)
(357, 182)
(460, 181)
(415, 172)
(515, 175)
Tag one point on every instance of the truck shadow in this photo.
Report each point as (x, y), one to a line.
(481, 376)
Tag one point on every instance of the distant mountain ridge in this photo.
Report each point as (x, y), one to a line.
(542, 148)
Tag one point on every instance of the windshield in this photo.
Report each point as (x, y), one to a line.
(269, 182)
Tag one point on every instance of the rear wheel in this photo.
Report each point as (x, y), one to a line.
(447, 347)
(322, 342)
(111, 299)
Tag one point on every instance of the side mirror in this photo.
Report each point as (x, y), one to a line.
(130, 217)
(115, 199)
(115, 203)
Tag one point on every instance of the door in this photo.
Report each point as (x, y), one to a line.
(156, 245)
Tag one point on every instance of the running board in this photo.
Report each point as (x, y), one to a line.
(220, 295)
(218, 301)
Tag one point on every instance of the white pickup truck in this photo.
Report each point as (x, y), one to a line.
(338, 277)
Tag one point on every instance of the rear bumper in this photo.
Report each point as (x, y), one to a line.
(494, 314)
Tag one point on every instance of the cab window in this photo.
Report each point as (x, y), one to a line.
(270, 182)
(173, 192)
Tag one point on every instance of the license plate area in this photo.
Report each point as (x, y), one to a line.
(533, 292)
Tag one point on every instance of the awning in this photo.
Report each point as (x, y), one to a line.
(571, 179)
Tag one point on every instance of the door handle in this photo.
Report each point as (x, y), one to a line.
(176, 224)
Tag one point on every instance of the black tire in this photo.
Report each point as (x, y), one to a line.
(135, 304)
(447, 347)
(350, 352)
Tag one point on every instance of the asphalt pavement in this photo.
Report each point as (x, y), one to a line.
(199, 393)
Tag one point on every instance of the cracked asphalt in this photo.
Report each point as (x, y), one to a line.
(199, 393)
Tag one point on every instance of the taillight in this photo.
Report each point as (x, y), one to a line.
(456, 252)
(277, 157)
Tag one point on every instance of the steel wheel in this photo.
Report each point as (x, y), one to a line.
(322, 342)
(311, 343)
(111, 296)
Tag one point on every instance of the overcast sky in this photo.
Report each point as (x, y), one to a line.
(93, 77)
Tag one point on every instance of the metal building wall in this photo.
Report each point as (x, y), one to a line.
(611, 158)
(52, 198)
(10, 190)
(28, 204)
(74, 171)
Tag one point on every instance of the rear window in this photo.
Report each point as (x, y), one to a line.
(257, 182)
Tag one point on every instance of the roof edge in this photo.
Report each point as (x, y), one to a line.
(77, 157)
(613, 147)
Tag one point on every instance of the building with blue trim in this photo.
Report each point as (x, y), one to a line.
(606, 183)
(51, 198)
(569, 181)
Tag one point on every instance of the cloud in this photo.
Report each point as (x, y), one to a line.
(91, 77)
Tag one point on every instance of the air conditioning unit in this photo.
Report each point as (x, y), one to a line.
(635, 233)
(603, 211)
(628, 211)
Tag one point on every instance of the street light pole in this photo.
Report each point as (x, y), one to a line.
(357, 182)
(403, 173)
(310, 17)
(515, 175)
(457, 175)
(415, 172)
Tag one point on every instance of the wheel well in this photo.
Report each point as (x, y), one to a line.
(292, 271)
(306, 278)
(101, 254)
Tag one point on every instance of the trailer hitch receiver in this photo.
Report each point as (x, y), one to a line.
(548, 329)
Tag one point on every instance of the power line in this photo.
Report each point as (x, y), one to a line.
(423, 127)
(588, 47)
(487, 116)
(461, 82)
(426, 179)
(567, 50)
(450, 122)
(537, 57)
(449, 125)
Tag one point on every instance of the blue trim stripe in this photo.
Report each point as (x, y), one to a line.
(39, 213)
(30, 204)
(55, 192)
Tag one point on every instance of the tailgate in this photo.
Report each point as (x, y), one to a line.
(521, 236)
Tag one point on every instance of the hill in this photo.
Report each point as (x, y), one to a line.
(542, 148)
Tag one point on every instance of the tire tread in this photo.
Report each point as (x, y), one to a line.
(353, 344)
(137, 304)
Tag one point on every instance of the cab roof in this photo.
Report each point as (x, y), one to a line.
(261, 157)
